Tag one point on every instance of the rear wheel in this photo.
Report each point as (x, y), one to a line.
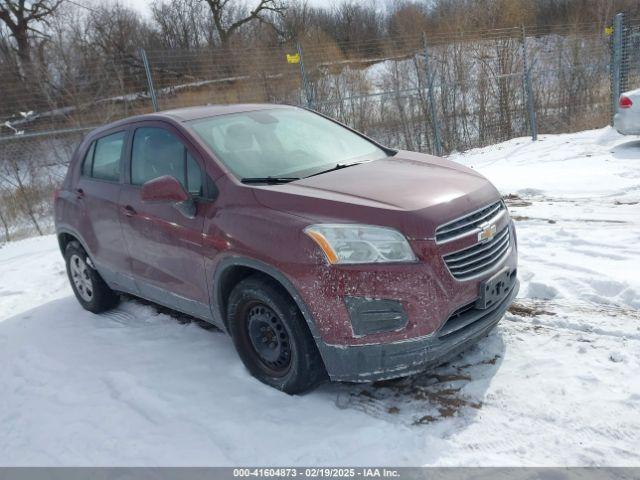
(87, 284)
(272, 338)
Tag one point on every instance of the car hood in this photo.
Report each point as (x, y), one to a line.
(410, 191)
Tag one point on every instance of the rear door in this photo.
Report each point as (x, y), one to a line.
(97, 192)
(165, 246)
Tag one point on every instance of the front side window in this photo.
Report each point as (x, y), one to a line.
(157, 152)
(107, 157)
(282, 142)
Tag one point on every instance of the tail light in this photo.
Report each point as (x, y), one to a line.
(625, 102)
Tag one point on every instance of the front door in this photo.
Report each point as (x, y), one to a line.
(164, 245)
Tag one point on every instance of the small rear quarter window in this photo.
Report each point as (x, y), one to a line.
(87, 163)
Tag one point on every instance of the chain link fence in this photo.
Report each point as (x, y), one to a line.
(430, 93)
(625, 68)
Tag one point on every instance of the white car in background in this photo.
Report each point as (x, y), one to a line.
(627, 120)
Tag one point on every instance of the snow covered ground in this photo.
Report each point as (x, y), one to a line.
(555, 384)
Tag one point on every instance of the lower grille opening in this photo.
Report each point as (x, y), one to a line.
(467, 317)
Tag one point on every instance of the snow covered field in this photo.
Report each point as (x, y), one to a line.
(556, 383)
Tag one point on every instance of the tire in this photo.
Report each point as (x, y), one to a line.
(87, 284)
(260, 315)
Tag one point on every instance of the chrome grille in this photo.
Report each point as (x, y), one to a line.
(470, 222)
(479, 258)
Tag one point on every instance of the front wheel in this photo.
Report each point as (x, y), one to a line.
(87, 284)
(272, 338)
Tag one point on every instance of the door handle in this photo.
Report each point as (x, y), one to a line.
(129, 211)
(79, 193)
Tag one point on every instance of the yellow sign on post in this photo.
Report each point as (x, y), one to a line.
(608, 31)
(293, 58)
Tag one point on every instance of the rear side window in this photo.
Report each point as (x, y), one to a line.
(157, 152)
(103, 159)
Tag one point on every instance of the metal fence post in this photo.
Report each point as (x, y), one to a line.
(528, 88)
(616, 70)
(147, 71)
(305, 81)
(432, 101)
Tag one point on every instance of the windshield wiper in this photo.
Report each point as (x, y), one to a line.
(269, 180)
(338, 166)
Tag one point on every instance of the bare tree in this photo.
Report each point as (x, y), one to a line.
(297, 19)
(182, 24)
(17, 174)
(24, 20)
(5, 223)
(117, 30)
(228, 18)
(406, 22)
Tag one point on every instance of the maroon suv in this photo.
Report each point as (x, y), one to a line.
(321, 252)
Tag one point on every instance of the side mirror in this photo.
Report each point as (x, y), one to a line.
(168, 189)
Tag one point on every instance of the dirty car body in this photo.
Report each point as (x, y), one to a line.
(395, 263)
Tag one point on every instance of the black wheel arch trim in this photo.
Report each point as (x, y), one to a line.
(262, 267)
(70, 231)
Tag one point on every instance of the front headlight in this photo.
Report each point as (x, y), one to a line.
(344, 243)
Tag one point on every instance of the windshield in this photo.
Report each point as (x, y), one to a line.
(282, 142)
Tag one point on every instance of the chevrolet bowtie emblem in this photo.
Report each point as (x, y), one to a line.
(487, 233)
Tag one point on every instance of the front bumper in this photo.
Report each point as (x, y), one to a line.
(365, 363)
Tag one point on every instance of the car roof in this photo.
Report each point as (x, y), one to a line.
(191, 113)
